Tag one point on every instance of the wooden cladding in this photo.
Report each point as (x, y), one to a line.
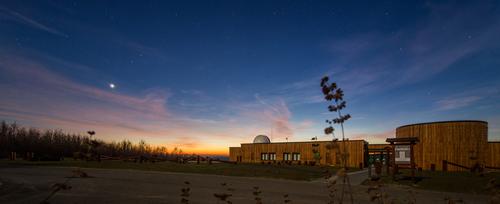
(375, 147)
(493, 155)
(326, 152)
(460, 142)
(234, 152)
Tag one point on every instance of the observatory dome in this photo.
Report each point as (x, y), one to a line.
(261, 139)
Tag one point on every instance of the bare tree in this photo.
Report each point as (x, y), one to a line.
(335, 96)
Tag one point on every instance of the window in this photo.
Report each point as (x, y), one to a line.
(296, 156)
(264, 156)
(286, 157)
(272, 156)
(267, 156)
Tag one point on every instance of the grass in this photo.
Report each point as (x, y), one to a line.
(293, 172)
(460, 182)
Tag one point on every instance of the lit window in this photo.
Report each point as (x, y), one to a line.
(296, 156)
(264, 156)
(272, 156)
(286, 156)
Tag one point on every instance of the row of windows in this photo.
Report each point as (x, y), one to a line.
(286, 156)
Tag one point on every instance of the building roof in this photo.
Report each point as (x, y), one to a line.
(313, 141)
(403, 140)
(261, 139)
(449, 121)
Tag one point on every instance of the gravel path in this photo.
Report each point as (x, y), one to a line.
(32, 185)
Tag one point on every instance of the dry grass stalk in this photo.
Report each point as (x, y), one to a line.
(256, 193)
(56, 188)
(286, 199)
(494, 189)
(224, 196)
(77, 173)
(453, 201)
(332, 189)
(378, 195)
(185, 193)
(413, 198)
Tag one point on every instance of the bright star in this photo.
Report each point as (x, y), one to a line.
(111, 85)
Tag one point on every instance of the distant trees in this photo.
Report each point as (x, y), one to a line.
(55, 144)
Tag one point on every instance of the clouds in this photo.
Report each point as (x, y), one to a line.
(418, 60)
(28, 73)
(32, 90)
(472, 97)
(35, 93)
(454, 103)
(374, 137)
(23, 19)
(377, 61)
(269, 117)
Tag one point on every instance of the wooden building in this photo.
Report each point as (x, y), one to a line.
(311, 152)
(493, 155)
(457, 142)
(446, 143)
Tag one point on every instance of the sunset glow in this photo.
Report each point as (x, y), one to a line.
(201, 79)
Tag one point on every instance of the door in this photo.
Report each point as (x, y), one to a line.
(329, 158)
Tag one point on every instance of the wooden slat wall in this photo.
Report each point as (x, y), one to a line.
(454, 141)
(378, 146)
(493, 154)
(234, 152)
(251, 152)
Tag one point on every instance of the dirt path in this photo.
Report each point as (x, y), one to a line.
(31, 185)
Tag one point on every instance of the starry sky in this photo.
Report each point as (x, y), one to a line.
(206, 75)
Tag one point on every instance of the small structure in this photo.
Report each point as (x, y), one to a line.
(261, 139)
(402, 153)
(380, 152)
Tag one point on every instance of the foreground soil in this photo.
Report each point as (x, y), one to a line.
(30, 184)
(293, 172)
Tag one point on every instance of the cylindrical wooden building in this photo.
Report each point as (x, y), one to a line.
(459, 142)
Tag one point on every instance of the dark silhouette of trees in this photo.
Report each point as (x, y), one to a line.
(55, 144)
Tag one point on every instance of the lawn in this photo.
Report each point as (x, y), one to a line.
(462, 182)
(293, 172)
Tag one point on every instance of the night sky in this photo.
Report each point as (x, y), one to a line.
(206, 75)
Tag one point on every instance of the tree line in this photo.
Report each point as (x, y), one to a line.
(51, 144)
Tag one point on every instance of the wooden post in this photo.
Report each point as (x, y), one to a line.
(412, 161)
(369, 170)
(393, 161)
(13, 155)
(388, 162)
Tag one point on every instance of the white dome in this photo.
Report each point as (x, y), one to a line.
(261, 139)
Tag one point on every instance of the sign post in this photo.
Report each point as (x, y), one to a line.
(403, 156)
